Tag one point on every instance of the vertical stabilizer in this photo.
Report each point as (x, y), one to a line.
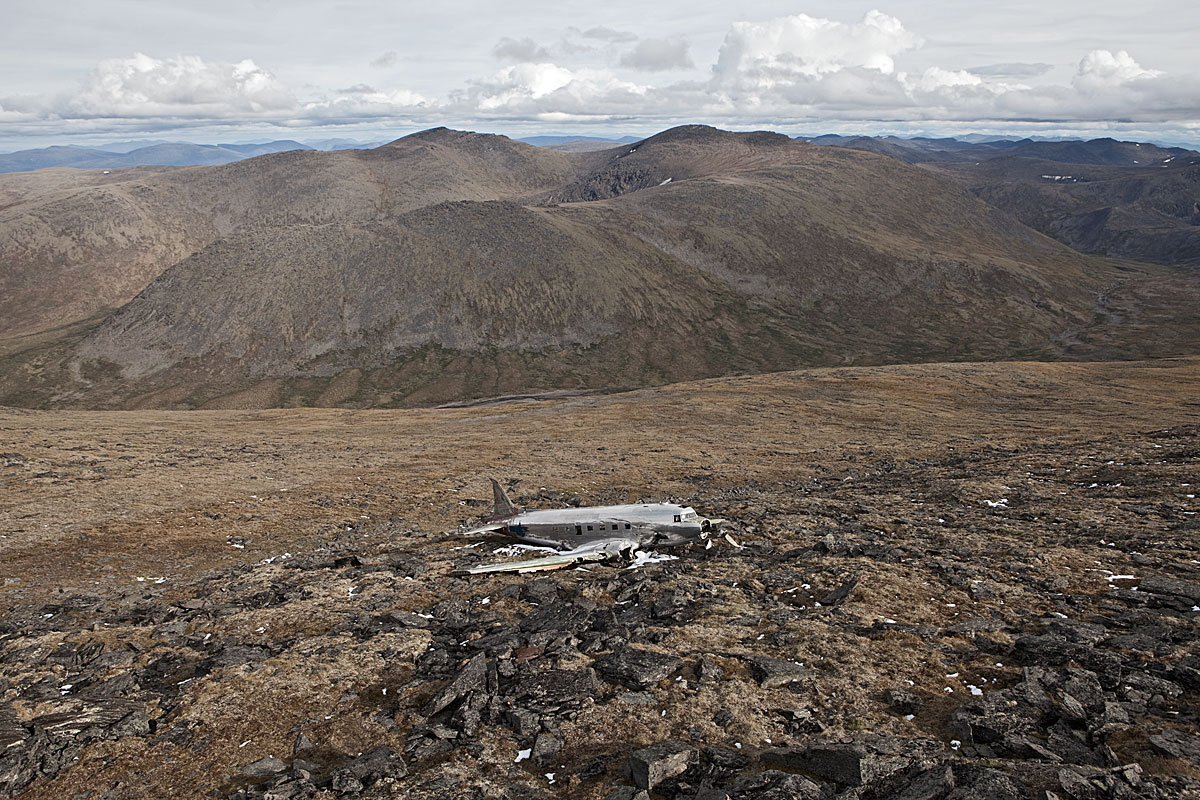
(504, 507)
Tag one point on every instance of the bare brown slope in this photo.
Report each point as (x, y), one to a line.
(689, 151)
(693, 253)
(74, 244)
(774, 255)
(1147, 211)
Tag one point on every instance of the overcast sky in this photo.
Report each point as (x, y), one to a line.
(255, 70)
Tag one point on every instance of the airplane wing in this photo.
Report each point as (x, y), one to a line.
(491, 526)
(593, 551)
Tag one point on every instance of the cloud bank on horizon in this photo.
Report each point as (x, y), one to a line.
(783, 71)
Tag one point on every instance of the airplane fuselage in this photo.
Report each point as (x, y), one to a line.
(651, 524)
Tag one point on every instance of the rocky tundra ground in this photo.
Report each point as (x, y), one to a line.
(955, 581)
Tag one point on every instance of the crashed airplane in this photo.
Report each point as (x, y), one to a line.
(591, 533)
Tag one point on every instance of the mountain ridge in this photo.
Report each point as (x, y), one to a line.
(447, 265)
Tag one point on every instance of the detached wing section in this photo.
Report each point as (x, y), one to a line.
(593, 551)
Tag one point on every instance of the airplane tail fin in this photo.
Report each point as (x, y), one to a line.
(504, 506)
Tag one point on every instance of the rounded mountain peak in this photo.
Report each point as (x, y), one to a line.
(451, 137)
(706, 134)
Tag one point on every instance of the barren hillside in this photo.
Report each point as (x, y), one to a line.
(76, 243)
(448, 265)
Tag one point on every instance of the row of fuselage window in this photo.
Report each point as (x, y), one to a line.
(579, 528)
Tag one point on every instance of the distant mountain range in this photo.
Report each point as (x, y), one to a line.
(918, 150)
(448, 265)
(117, 155)
(139, 154)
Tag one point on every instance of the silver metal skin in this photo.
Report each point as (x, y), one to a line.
(591, 532)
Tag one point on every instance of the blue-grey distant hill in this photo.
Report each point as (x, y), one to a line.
(919, 149)
(172, 154)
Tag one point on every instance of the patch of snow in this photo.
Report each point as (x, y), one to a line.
(664, 183)
(910, 717)
(522, 755)
(550, 776)
(975, 690)
(1001, 503)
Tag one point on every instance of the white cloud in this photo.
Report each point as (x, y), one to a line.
(656, 55)
(780, 72)
(537, 88)
(1101, 69)
(164, 93)
(143, 86)
(802, 67)
(800, 46)
(361, 102)
(935, 79)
